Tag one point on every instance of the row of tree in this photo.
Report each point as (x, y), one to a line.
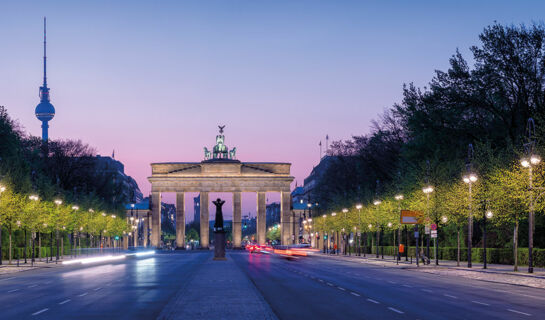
(34, 175)
(423, 141)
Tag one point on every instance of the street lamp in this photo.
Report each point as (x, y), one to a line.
(345, 236)
(2, 189)
(529, 162)
(428, 190)
(358, 234)
(33, 198)
(469, 178)
(377, 203)
(58, 202)
(487, 215)
(398, 198)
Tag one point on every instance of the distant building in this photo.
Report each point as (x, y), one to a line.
(315, 175)
(109, 168)
(272, 213)
(197, 209)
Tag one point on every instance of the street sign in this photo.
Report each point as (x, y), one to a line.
(434, 233)
(427, 229)
(411, 217)
(433, 226)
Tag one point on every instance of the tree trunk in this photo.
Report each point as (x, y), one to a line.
(458, 258)
(515, 244)
(39, 246)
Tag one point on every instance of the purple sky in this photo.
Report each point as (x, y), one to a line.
(152, 80)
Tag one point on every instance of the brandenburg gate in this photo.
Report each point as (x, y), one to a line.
(220, 172)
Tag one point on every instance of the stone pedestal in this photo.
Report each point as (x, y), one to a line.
(219, 245)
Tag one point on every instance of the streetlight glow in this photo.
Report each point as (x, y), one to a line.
(489, 214)
(75, 208)
(377, 202)
(359, 206)
(58, 202)
(333, 214)
(472, 178)
(399, 197)
(444, 219)
(534, 159)
(525, 163)
(324, 216)
(2, 189)
(389, 224)
(345, 210)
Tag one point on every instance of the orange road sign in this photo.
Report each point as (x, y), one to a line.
(411, 217)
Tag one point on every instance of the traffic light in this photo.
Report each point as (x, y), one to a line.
(325, 237)
(245, 225)
(116, 237)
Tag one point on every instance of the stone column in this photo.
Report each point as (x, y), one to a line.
(156, 219)
(125, 241)
(261, 218)
(205, 226)
(237, 220)
(285, 218)
(135, 231)
(180, 221)
(146, 228)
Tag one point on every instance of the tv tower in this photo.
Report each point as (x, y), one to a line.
(45, 110)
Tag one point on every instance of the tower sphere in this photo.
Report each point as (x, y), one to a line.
(45, 111)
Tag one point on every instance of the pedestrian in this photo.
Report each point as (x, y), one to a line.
(425, 260)
(335, 248)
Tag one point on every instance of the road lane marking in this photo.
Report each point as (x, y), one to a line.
(98, 288)
(481, 303)
(48, 282)
(65, 301)
(13, 290)
(320, 280)
(373, 301)
(330, 284)
(426, 290)
(354, 294)
(392, 282)
(450, 296)
(519, 312)
(38, 312)
(8, 278)
(32, 286)
(341, 288)
(407, 286)
(395, 310)
(83, 294)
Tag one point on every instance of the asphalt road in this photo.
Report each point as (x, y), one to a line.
(134, 288)
(323, 288)
(305, 288)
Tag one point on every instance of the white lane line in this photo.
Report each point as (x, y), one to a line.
(395, 310)
(392, 282)
(13, 290)
(320, 280)
(341, 288)
(407, 286)
(373, 301)
(426, 290)
(481, 303)
(519, 312)
(98, 288)
(38, 312)
(312, 277)
(354, 294)
(65, 301)
(8, 278)
(48, 282)
(330, 284)
(450, 296)
(32, 286)
(83, 294)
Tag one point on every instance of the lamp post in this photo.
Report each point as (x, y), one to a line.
(398, 198)
(75, 208)
(323, 230)
(529, 162)
(377, 203)
(333, 214)
(427, 190)
(358, 231)
(58, 202)
(345, 235)
(2, 189)
(33, 198)
(487, 215)
(469, 178)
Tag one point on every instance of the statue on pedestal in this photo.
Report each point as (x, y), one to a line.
(219, 233)
(220, 150)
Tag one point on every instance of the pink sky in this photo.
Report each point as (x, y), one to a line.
(153, 81)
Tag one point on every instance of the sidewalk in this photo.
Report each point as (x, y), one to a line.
(493, 273)
(217, 290)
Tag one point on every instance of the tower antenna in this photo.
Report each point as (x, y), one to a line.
(45, 54)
